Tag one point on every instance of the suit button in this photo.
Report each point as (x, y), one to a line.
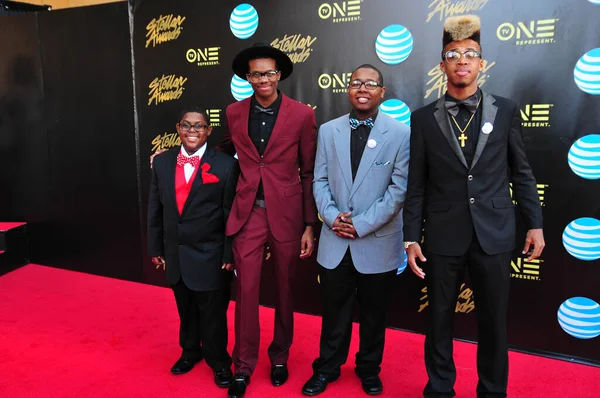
(470, 178)
(351, 208)
(262, 165)
(471, 200)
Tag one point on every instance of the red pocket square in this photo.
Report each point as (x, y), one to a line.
(208, 178)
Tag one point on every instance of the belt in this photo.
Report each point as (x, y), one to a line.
(260, 203)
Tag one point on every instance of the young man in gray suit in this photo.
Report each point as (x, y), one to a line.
(361, 172)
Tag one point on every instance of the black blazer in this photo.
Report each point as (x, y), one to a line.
(194, 244)
(456, 199)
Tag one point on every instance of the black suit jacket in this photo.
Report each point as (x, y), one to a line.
(193, 244)
(455, 198)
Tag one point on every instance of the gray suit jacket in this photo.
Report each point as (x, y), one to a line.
(375, 197)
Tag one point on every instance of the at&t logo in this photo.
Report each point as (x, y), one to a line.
(343, 11)
(214, 117)
(336, 82)
(536, 115)
(534, 32)
(208, 56)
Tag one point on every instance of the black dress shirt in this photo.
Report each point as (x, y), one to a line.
(358, 140)
(260, 126)
(472, 132)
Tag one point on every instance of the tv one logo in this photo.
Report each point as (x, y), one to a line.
(523, 269)
(536, 115)
(338, 83)
(344, 11)
(534, 32)
(208, 56)
(214, 117)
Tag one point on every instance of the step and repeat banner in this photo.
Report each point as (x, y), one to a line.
(544, 54)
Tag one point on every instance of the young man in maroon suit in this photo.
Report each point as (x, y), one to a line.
(274, 137)
(191, 195)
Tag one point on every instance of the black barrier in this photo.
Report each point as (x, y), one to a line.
(183, 53)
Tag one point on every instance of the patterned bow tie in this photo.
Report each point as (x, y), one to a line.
(260, 109)
(470, 103)
(354, 123)
(182, 160)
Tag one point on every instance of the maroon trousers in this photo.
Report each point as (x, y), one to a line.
(248, 253)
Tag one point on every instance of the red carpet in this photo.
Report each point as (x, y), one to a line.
(68, 334)
(5, 226)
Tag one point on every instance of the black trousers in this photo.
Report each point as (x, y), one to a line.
(203, 324)
(340, 288)
(490, 277)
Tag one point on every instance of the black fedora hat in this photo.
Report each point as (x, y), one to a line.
(262, 49)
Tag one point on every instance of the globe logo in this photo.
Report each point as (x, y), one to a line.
(404, 264)
(580, 317)
(396, 109)
(240, 89)
(581, 238)
(595, 1)
(243, 21)
(394, 44)
(584, 157)
(587, 72)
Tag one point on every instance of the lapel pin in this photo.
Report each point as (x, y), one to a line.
(371, 143)
(487, 128)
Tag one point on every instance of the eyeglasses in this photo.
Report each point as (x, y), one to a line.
(198, 127)
(256, 77)
(369, 85)
(454, 56)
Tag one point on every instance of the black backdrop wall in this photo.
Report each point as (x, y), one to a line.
(83, 200)
(68, 158)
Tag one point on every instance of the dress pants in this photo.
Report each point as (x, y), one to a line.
(203, 324)
(341, 287)
(490, 277)
(248, 254)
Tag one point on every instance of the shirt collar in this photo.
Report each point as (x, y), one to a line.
(476, 95)
(199, 152)
(274, 105)
(355, 115)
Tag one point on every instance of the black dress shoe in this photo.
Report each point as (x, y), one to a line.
(279, 375)
(223, 377)
(184, 365)
(238, 387)
(317, 384)
(372, 385)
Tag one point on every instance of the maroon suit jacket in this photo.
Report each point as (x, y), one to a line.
(286, 168)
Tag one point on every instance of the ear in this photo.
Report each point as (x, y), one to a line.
(443, 66)
(382, 92)
(208, 130)
(480, 64)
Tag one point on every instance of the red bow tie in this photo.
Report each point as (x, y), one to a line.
(182, 160)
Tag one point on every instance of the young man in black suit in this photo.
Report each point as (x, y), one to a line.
(465, 149)
(191, 195)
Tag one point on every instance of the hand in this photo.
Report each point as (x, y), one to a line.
(155, 154)
(413, 252)
(343, 227)
(228, 266)
(159, 260)
(306, 243)
(534, 243)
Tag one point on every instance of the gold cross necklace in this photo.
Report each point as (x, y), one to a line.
(462, 137)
